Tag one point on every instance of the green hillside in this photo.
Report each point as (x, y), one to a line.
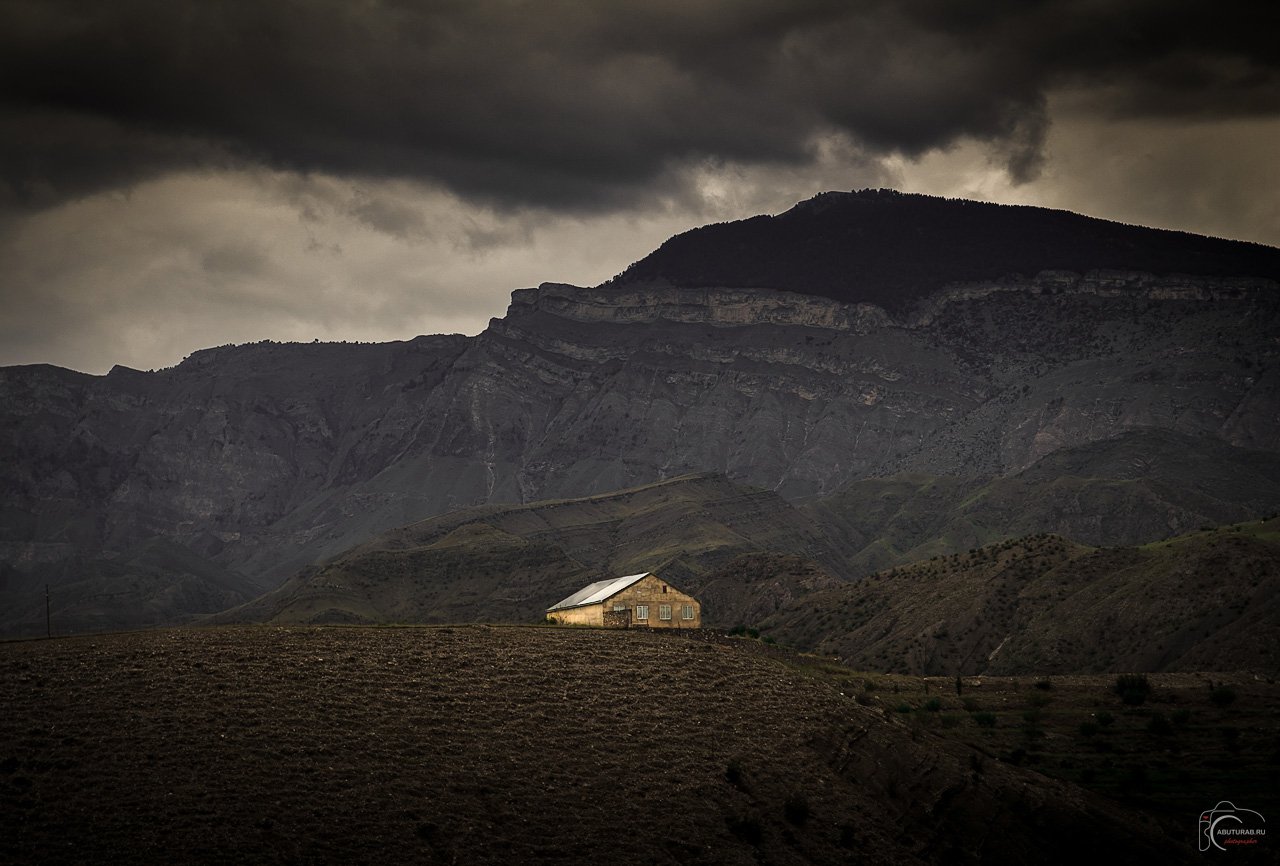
(508, 564)
(1042, 604)
(1143, 485)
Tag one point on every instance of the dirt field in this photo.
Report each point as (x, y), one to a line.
(473, 744)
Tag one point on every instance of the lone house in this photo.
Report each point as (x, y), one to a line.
(637, 599)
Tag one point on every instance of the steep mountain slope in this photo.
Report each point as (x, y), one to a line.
(1206, 601)
(155, 583)
(269, 458)
(1142, 485)
(509, 564)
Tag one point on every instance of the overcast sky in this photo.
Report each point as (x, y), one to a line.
(175, 175)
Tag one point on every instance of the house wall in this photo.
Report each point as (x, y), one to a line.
(591, 614)
(649, 590)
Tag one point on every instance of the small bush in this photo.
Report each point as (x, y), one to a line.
(748, 830)
(985, 720)
(796, 810)
(903, 708)
(738, 630)
(1181, 717)
(1131, 682)
(1044, 685)
(848, 836)
(1159, 726)
(1132, 688)
(753, 632)
(950, 720)
(733, 773)
(1222, 696)
(932, 705)
(1089, 729)
(864, 700)
(969, 704)
(1104, 719)
(1036, 699)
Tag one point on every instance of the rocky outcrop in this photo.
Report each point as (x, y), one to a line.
(711, 306)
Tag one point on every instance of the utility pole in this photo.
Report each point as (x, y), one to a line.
(48, 621)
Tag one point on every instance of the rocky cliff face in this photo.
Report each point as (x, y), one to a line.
(268, 457)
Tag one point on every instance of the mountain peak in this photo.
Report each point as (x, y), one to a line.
(891, 248)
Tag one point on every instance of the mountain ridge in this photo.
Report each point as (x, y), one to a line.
(270, 458)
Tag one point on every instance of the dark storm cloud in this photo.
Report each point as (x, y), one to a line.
(580, 105)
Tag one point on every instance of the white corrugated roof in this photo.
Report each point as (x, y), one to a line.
(598, 591)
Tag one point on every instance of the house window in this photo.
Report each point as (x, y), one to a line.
(618, 607)
(686, 612)
(664, 611)
(642, 612)
(664, 589)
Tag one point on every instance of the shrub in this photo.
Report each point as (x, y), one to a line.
(1222, 696)
(932, 705)
(1044, 685)
(950, 720)
(753, 632)
(733, 773)
(796, 810)
(985, 720)
(1181, 717)
(1104, 718)
(1159, 726)
(1132, 688)
(903, 708)
(748, 830)
(1089, 729)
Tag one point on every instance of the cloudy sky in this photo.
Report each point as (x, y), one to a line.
(178, 174)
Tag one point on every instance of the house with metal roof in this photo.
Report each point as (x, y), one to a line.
(622, 602)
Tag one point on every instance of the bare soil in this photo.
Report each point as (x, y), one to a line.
(476, 744)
